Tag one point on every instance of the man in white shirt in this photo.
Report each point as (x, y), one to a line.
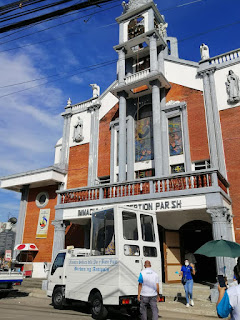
(148, 291)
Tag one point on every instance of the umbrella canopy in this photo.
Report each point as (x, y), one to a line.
(26, 247)
(220, 248)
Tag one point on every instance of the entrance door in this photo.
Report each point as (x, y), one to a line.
(172, 256)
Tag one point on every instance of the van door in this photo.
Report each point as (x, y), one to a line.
(56, 275)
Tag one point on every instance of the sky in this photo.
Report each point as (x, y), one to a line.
(30, 120)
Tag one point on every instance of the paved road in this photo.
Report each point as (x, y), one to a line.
(29, 308)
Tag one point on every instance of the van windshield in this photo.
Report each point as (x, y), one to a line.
(103, 235)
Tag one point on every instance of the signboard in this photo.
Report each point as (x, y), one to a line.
(43, 223)
(8, 255)
(172, 204)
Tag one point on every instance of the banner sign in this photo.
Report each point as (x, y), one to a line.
(8, 255)
(43, 223)
(172, 204)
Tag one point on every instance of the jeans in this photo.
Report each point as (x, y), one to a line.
(152, 301)
(188, 289)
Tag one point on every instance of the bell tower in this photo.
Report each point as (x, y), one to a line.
(140, 75)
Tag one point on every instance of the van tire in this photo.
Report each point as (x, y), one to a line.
(58, 298)
(98, 310)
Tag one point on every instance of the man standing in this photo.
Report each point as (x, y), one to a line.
(148, 291)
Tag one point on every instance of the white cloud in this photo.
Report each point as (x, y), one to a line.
(76, 79)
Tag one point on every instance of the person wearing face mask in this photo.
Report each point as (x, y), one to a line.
(186, 272)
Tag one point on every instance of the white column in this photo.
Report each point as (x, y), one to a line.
(153, 53)
(122, 136)
(59, 237)
(65, 140)
(121, 66)
(130, 148)
(156, 127)
(21, 217)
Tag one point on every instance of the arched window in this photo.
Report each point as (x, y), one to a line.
(136, 27)
(144, 134)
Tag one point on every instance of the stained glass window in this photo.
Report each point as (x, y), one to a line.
(144, 135)
(175, 136)
(177, 168)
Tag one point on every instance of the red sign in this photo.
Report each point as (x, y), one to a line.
(8, 255)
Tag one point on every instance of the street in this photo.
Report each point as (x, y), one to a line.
(30, 308)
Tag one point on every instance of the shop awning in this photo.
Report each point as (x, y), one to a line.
(26, 247)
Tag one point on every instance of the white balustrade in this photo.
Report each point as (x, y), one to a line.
(229, 56)
(137, 76)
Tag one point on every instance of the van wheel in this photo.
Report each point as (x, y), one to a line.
(98, 310)
(58, 299)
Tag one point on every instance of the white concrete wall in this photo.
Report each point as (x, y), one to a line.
(220, 81)
(183, 74)
(58, 149)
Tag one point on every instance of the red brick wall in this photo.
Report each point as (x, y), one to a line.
(105, 143)
(31, 221)
(230, 120)
(196, 119)
(78, 166)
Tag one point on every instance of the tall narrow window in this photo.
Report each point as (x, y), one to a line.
(175, 136)
(144, 135)
(136, 27)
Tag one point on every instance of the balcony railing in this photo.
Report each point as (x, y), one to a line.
(184, 181)
(229, 56)
(137, 76)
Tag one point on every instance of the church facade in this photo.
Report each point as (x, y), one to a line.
(163, 137)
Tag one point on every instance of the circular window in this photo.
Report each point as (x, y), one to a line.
(42, 199)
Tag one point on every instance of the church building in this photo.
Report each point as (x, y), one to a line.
(164, 137)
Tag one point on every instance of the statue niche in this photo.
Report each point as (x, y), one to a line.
(136, 27)
(232, 86)
(78, 131)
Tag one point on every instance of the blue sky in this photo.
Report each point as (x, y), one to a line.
(30, 122)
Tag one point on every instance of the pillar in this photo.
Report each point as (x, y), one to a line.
(122, 136)
(188, 166)
(130, 149)
(164, 135)
(112, 154)
(221, 223)
(21, 217)
(59, 237)
(161, 67)
(156, 127)
(65, 140)
(93, 145)
(210, 121)
(153, 53)
(217, 125)
(121, 66)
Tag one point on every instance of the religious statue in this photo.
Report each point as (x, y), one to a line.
(78, 131)
(232, 85)
(163, 29)
(125, 6)
(134, 4)
(96, 90)
(204, 50)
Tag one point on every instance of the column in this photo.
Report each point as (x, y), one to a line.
(21, 217)
(122, 136)
(130, 148)
(161, 67)
(93, 145)
(65, 140)
(164, 135)
(210, 127)
(188, 167)
(156, 127)
(112, 154)
(153, 53)
(221, 221)
(217, 125)
(59, 237)
(121, 66)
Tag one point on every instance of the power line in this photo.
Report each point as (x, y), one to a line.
(67, 76)
(57, 25)
(55, 13)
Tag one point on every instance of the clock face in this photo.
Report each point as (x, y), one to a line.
(135, 27)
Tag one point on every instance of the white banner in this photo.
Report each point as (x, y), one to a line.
(43, 223)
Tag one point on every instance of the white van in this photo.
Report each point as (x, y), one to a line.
(107, 274)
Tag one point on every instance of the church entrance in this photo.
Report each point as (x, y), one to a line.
(192, 236)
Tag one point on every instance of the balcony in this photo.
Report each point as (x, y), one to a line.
(197, 182)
